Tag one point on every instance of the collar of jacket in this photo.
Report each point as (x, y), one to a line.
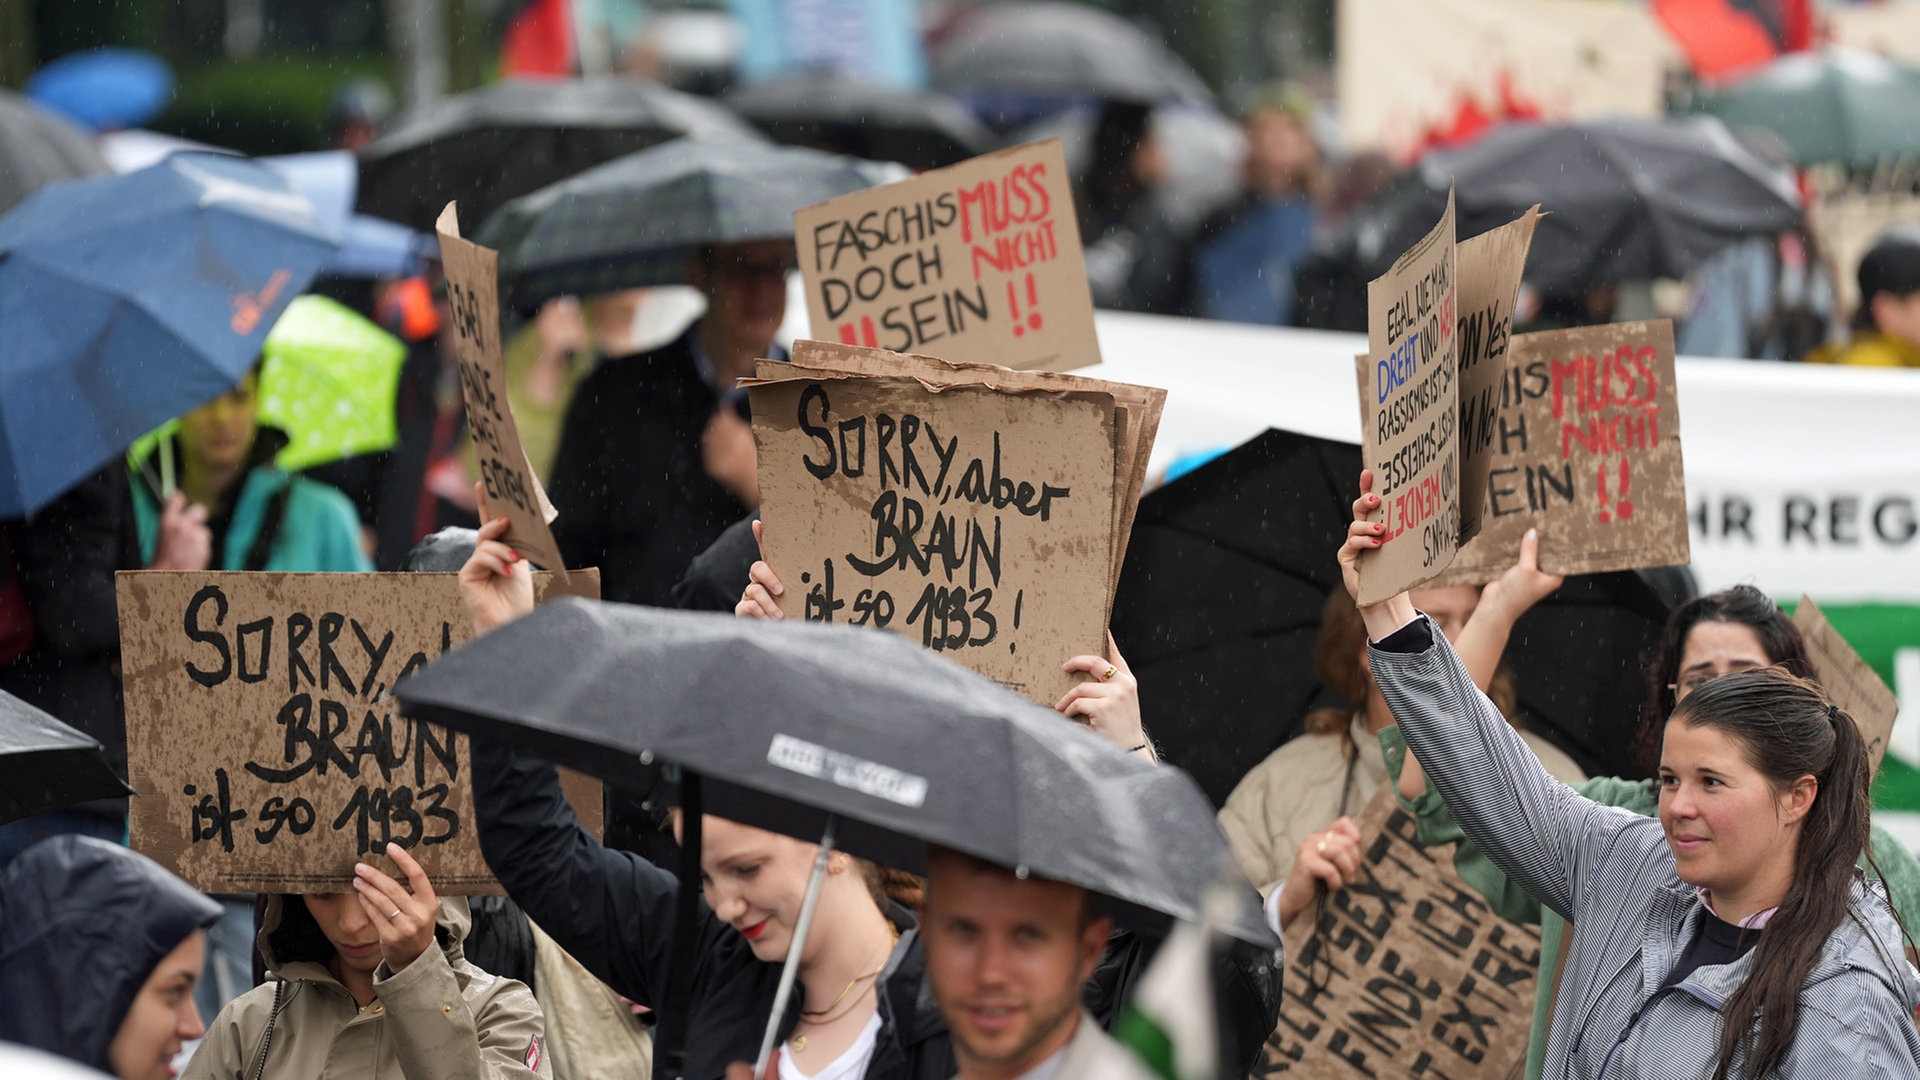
(1675, 916)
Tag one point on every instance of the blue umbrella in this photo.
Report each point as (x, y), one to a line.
(105, 89)
(369, 246)
(130, 299)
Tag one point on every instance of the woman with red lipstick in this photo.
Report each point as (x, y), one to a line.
(371, 983)
(859, 1010)
(1731, 937)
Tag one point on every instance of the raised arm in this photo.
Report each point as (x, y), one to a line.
(1535, 829)
(1483, 641)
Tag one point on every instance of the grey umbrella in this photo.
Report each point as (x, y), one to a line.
(633, 222)
(1054, 47)
(37, 148)
(791, 726)
(46, 765)
(490, 145)
(922, 130)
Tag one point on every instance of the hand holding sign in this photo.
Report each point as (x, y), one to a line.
(405, 919)
(495, 581)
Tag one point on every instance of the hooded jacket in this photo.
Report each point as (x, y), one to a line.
(1610, 872)
(305, 525)
(439, 1018)
(82, 924)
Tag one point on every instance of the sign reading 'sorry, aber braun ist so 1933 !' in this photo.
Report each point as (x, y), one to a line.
(978, 522)
(261, 737)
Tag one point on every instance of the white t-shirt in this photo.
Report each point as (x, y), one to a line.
(850, 1065)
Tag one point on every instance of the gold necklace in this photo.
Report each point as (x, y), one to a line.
(820, 1017)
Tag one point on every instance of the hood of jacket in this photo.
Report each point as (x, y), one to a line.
(289, 936)
(82, 924)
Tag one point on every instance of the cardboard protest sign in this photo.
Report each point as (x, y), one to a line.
(1490, 268)
(261, 737)
(978, 262)
(1848, 680)
(1409, 396)
(472, 274)
(1585, 432)
(1137, 409)
(1406, 972)
(976, 521)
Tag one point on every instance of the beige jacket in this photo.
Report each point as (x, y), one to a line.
(1295, 792)
(440, 1018)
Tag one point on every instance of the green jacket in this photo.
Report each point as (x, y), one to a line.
(1436, 826)
(317, 530)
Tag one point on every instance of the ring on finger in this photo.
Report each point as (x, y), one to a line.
(394, 914)
(1109, 673)
(747, 593)
(1321, 847)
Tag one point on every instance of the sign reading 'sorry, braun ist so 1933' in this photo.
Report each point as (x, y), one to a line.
(269, 755)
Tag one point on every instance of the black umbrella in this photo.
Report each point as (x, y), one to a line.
(490, 145)
(634, 222)
(850, 116)
(37, 148)
(46, 765)
(1627, 199)
(1579, 663)
(1219, 603)
(1059, 48)
(792, 726)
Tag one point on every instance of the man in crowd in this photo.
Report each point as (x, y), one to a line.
(656, 457)
(1006, 959)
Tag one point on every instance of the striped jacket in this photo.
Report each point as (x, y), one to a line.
(1610, 872)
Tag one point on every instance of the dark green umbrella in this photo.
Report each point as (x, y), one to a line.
(489, 145)
(1834, 105)
(634, 222)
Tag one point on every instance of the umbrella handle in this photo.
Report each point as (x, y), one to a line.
(791, 969)
(166, 469)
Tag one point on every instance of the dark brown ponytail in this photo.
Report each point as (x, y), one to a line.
(1788, 731)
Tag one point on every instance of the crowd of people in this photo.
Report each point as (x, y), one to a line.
(1738, 913)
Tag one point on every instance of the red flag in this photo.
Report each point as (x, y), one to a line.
(1719, 39)
(539, 41)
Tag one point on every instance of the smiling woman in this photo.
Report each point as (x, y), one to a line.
(1772, 957)
(99, 952)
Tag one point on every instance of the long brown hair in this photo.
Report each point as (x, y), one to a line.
(1336, 659)
(1787, 730)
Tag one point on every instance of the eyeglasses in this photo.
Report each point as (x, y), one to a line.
(1694, 682)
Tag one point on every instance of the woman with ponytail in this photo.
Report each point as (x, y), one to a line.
(1732, 936)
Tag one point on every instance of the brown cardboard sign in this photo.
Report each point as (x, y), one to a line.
(1136, 416)
(1586, 447)
(1848, 680)
(1490, 268)
(977, 262)
(472, 274)
(1409, 402)
(1406, 972)
(261, 737)
(978, 522)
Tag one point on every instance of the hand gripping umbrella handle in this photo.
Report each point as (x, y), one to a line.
(791, 969)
